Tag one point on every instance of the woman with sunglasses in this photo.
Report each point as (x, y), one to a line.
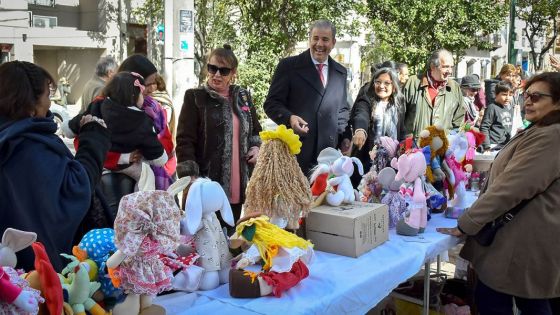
(218, 130)
(376, 113)
(522, 263)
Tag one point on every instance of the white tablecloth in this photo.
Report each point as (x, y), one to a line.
(336, 284)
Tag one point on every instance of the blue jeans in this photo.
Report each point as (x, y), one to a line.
(492, 302)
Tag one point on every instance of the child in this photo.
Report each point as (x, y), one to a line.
(498, 118)
(131, 129)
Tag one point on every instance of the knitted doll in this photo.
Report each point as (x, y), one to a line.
(393, 198)
(381, 154)
(285, 257)
(437, 170)
(147, 224)
(278, 187)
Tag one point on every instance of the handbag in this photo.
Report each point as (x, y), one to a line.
(486, 235)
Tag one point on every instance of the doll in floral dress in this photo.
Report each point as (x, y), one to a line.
(147, 225)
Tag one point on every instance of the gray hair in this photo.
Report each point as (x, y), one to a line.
(104, 65)
(436, 56)
(323, 24)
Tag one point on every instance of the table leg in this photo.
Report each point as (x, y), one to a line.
(426, 289)
(438, 264)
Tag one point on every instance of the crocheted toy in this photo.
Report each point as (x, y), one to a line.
(147, 224)
(437, 170)
(46, 280)
(411, 167)
(383, 151)
(339, 187)
(321, 172)
(277, 187)
(99, 245)
(393, 198)
(204, 198)
(475, 138)
(285, 257)
(16, 297)
(80, 289)
(454, 158)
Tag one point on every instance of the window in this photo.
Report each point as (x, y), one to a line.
(49, 3)
(44, 21)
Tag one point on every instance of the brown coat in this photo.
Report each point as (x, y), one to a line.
(524, 259)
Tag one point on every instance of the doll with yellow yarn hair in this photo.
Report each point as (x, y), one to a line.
(285, 257)
(277, 187)
(438, 172)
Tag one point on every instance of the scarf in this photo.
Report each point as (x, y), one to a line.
(438, 85)
(385, 118)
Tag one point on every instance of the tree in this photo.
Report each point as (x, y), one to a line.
(542, 19)
(151, 14)
(414, 28)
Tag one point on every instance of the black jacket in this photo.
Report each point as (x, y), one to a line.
(496, 125)
(296, 89)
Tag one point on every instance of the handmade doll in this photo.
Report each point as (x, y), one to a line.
(285, 257)
(16, 296)
(321, 172)
(147, 224)
(99, 245)
(278, 187)
(411, 167)
(205, 197)
(455, 157)
(339, 187)
(381, 154)
(437, 170)
(393, 198)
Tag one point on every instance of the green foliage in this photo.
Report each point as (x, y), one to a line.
(414, 28)
(542, 19)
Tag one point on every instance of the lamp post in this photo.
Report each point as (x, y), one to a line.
(512, 55)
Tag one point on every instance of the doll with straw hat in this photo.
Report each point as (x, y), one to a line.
(278, 187)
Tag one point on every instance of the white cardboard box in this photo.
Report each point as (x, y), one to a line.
(348, 230)
(482, 162)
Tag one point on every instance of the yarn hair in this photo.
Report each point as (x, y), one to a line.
(278, 186)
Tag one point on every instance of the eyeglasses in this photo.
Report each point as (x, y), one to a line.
(384, 83)
(225, 71)
(535, 96)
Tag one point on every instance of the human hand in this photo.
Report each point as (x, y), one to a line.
(346, 147)
(450, 231)
(373, 152)
(298, 124)
(89, 118)
(359, 138)
(135, 156)
(252, 155)
(242, 263)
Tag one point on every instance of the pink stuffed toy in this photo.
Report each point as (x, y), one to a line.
(411, 167)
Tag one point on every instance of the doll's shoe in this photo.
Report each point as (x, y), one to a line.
(243, 286)
(153, 310)
(404, 229)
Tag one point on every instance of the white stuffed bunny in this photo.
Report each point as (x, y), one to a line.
(17, 296)
(343, 192)
(204, 198)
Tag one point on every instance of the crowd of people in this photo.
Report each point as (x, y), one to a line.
(125, 139)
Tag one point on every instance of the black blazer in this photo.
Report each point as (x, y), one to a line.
(296, 89)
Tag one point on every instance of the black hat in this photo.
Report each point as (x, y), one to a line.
(470, 81)
(138, 63)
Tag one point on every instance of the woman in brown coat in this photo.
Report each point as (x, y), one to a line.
(218, 130)
(523, 261)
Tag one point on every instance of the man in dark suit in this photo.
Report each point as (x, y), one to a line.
(308, 94)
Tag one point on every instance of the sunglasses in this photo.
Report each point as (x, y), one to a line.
(214, 69)
(535, 96)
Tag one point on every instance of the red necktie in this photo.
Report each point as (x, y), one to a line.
(320, 70)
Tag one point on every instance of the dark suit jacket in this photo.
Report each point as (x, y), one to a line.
(296, 89)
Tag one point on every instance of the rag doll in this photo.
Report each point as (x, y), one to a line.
(339, 187)
(16, 296)
(99, 245)
(205, 197)
(321, 172)
(277, 187)
(147, 224)
(284, 257)
(79, 287)
(454, 158)
(438, 172)
(381, 154)
(411, 167)
(393, 198)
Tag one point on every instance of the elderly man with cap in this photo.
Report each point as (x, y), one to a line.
(470, 86)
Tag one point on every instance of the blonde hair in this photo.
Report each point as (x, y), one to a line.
(269, 237)
(507, 69)
(278, 186)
